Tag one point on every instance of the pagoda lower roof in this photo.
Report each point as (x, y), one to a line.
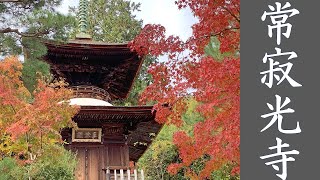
(139, 119)
(109, 66)
(115, 113)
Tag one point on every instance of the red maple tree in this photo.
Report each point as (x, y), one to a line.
(27, 123)
(216, 84)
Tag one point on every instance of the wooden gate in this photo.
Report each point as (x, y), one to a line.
(89, 163)
(93, 159)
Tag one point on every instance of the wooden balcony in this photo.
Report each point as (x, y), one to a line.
(90, 92)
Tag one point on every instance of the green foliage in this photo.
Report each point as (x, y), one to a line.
(8, 167)
(113, 20)
(213, 50)
(24, 25)
(49, 25)
(33, 70)
(224, 174)
(32, 48)
(191, 116)
(2, 8)
(157, 158)
(9, 44)
(29, 5)
(54, 25)
(55, 163)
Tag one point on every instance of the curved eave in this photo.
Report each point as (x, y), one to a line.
(118, 109)
(90, 43)
(89, 47)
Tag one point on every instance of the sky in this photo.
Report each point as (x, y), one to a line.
(164, 12)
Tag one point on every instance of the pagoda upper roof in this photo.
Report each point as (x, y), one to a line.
(82, 42)
(109, 66)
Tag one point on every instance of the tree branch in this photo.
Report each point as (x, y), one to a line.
(10, 30)
(232, 14)
(212, 34)
(226, 29)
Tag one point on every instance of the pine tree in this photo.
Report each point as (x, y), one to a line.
(26, 24)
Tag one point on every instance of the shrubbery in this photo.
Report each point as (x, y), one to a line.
(55, 163)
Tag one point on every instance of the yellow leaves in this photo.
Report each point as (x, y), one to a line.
(192, 104)
(11, 67)
(5, 145)
(158, 149)
(53, 141)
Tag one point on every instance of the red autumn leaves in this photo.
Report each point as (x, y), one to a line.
(215, 84)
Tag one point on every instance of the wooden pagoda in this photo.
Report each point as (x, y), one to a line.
(108, 137)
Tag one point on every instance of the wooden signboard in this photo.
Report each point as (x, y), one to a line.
(86, 135)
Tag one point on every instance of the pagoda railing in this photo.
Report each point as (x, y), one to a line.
(84, 91)
(121, 174)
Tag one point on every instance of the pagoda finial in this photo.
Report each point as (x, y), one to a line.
(83, 20)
